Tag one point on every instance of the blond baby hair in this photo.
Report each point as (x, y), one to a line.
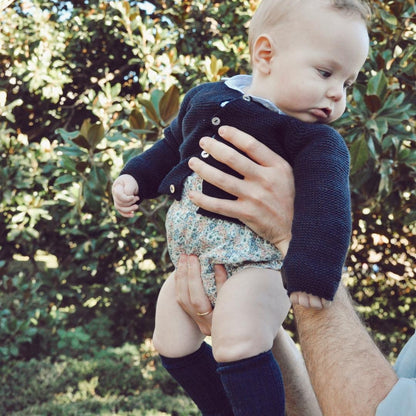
(271, 12)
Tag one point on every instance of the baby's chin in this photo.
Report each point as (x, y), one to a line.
(311, 117)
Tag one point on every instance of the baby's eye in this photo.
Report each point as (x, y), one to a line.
(347, 85)
(324, 73)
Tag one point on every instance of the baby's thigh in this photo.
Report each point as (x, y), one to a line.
(175, 333)
(250, 308)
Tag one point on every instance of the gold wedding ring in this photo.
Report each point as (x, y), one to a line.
(203, 313)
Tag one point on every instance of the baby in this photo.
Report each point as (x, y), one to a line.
(305, 55)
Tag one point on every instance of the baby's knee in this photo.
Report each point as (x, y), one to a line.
(234, 347)
(160, 343)
(176, 342)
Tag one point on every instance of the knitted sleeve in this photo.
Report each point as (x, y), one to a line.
(150, 167)
(321, 226)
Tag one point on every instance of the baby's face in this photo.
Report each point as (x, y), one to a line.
(318, 54)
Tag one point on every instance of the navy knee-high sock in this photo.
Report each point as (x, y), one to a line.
(197, 374)
(254, 386)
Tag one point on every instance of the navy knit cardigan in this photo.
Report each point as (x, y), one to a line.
(317, 153)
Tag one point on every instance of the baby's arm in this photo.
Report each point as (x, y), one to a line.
(125, 194)
(321, 226)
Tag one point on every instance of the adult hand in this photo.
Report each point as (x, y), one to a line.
(190, 292)
(265, 195)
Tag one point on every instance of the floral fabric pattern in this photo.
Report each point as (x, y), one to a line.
(215, 241)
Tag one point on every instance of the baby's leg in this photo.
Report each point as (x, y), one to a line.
(175, 334)
(250, 308)
(185, 356)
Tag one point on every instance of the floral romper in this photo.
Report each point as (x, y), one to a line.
(214, 240)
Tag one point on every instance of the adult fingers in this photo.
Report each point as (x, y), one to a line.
(256, 150)
(189, 289)
(190, 293)
(228, 183)
(197, 295)
(181, 281)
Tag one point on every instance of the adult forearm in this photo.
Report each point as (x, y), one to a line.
(349, 374)
(300, 397)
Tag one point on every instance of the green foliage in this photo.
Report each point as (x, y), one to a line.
(126, 381)
(85, 85)
(380, 131)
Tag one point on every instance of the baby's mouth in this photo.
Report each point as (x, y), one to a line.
(321, 113)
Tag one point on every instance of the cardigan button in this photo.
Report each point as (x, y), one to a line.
(216, 121)
(246, 97)
(172, 188)
(204, 154)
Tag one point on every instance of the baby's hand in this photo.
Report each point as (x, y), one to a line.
(125, 190)
(309, 301)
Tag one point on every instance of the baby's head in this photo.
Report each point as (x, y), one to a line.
(306, 53)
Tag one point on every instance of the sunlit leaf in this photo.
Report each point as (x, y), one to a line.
(95, 134)
(81, 141)
(377, 85)
(150, 109)
(359, 154)
(373, 103)
(136, 120)
(169, 104)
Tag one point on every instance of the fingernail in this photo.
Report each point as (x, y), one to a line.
(203, 142)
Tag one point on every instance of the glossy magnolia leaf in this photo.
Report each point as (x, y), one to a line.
(386, 183)
(388, 18)
(407, 156)
(81, 166)
(81, 141)
(394, 105)
(169, 104)
(379, 126)
(68, 163)
(67, 135)
(136, 120)
(373, 144)
(99, 178)
(377, 85)
(92, 200)
(86, 124)
(64, 179)
(373, 103)
(155, 97)
(359, 154)
(95, 135)
(150, 110)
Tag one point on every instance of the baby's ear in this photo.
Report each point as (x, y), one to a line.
(262, 54)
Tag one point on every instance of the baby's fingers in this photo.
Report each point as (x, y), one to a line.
(309, 301)
(126, 210)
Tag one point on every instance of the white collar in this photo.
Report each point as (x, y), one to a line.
(241, 84)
